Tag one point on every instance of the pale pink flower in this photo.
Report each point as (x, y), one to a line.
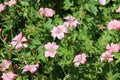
(30, 68)
(59, 31)
(107, 56)
(66, 25)
(42, 11)
(5, 65)
(2, 7)
(19, 42)
(0, 30)
(72, 21)
(47, 12)
(11, 2)
(8, 76)
(80, 59)
(51, 49)
(102, 2)
(118, 10)
(113, 47)
(114, 24)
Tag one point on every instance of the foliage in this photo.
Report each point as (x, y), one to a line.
(90, 36)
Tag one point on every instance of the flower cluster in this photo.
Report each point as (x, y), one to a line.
(31, 68)
(9, 3)
(59, 33)
(108, 55)
(47, 12)
(61, 29)
(10, 75)
(6, 75)
(19, 42)
(113, 47)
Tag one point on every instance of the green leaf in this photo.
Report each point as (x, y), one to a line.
(67, 4)
(25, 3)
(91, 8)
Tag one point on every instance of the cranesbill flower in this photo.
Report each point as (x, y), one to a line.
(80, 59)
(0, 30)
(51, 49)
(19, 42)
(59, 31)
(72, 21)
(30, 68)
(2, 7)
(114, 24)
(5, 65)
(8, 76)
(66, 24)
(113, 47)
(47, 12)
(118, 10)
(102, 2)
(11, 2)
(42, 11)
(107, 56)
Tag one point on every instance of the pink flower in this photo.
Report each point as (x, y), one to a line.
(80, 58)
(66, 25)
(51, 49)
(113, 47)
(59, 31)
(114, 24)
(8, 76)
(42, 11)
(19, 42)
(0, 30)
(2, 7)
(102, 2)
(47, 12)
(107, 56)
(31, 68)
(71, 21)
(118, 10)
(5, 65)
(11, 2)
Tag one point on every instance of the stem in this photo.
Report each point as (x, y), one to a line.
(63, 70)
